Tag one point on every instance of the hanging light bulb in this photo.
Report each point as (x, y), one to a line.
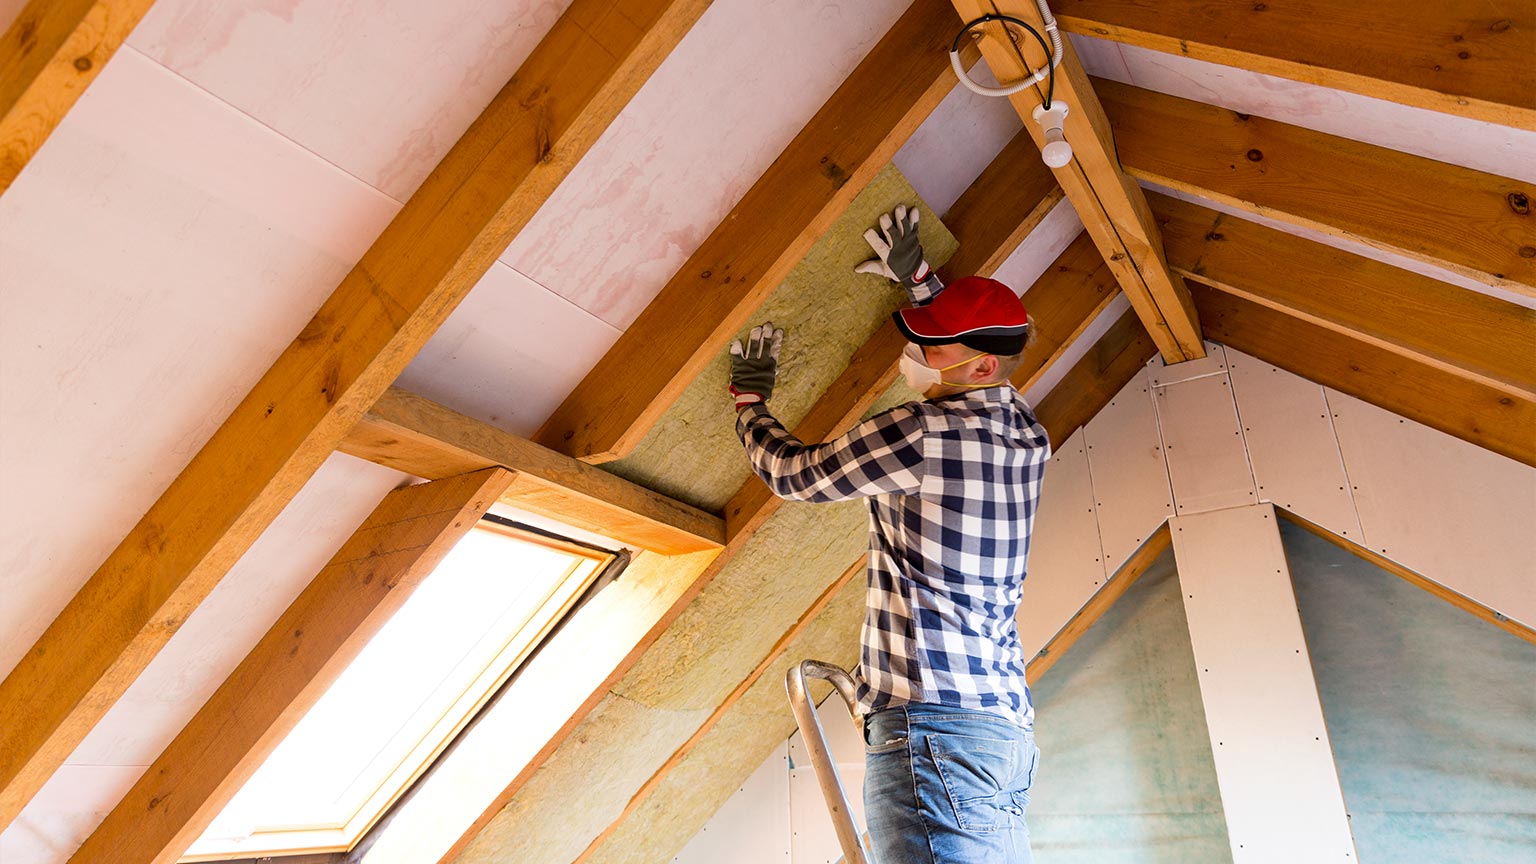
(1057, 152)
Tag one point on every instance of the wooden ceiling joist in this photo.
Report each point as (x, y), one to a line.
(48, 56)
(712, 297)
(1111, 204)
(409, 433)
(1412, 388)
(1468, 334)
(1474, 223)
(1062, 303)
(292, 666)
(1457, 57)
(442, 241)
(990, 219)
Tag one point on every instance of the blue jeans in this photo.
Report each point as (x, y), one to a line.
(947, 786)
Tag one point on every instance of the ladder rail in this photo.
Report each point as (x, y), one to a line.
(821, 757)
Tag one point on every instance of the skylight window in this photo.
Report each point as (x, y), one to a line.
(419, 680)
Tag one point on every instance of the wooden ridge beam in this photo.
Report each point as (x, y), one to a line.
(288, 671)
(1473, 223)
(990, 219)
(52, 51)
(1111, 204)
(413, 434)
(442, 241)
(1108, 366)
(1469, 410)
(1470, 335)
(704, 306)
(1459, 57)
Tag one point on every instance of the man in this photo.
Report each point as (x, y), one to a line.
(952, 484)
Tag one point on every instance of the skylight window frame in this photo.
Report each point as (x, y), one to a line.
(316, 840)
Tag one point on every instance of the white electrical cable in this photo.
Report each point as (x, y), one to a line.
(1034, 78)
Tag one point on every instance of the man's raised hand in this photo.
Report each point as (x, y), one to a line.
(898, 249)
(754, 364)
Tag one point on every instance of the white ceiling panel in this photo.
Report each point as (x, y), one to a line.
(64, 813)
(381, 88)
(510, 353)
(700, 132)
(155, 257)
(956, 143)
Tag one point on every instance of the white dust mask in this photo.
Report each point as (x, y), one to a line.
(920, 376)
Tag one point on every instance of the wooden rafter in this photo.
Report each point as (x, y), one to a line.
(1458, 57)
(1471, 335)
(990, 219)
(1062, 303)
(1412, 388)
(443, 240)
(302, 654)
(1110, 203)
(802, 193)
(48, 56)
(1474, 223)
(418, 436)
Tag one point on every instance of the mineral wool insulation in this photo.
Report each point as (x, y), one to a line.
(828, 312)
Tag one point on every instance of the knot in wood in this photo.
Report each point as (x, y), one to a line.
(1255, 155)
(1520, 203)
(82, 64)
(1501, 25)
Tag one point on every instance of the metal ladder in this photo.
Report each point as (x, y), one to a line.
(821, 758)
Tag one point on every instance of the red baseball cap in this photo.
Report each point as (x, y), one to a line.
(977, 312)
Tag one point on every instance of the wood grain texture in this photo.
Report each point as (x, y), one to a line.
(1113, 589)
(49, 55)
(1460, 57)
(836, 154)
(409, 433)
(990, 219)
(292, 666)
(1460, 601)
(1469, 334)
(439, 245)
(1111, 204)
(1470, 222)
(1094, 380)
(1471, 411)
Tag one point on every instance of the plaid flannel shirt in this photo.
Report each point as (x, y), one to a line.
(952, 485)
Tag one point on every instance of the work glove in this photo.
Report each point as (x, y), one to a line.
(898, 250)
(754, 365)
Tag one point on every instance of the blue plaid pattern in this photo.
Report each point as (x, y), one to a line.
(952, 485)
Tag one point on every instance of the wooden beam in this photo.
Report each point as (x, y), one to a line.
(990, 219)
(418, 436)
(447, 235)
(1468, 334)
(52, 51)
(1113, 589)
(292, 666)
(1460, 601)
(1107, 367)
(1110, 203)
(1460, 57)
(1473, 223)
(1474, 412)
(801, 194)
